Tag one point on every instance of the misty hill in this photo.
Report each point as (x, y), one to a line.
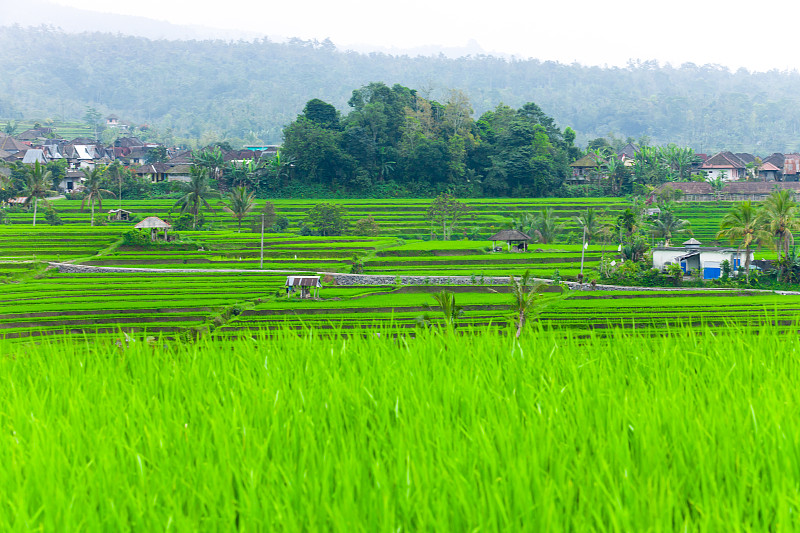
(249, 90)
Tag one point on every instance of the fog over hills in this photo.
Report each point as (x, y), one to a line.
(246, 88)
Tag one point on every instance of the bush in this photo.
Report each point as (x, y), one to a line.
(367, 227)
(327, 219)
(136, 237)
(50, 215)
(281, 223)
(101, 220)
(185, 221)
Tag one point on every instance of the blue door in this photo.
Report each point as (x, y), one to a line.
(711, 270)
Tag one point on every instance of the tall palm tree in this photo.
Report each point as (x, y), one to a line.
(667, 226)
(780, 217)
(196, 191)
(211, 160)
(240, 204)
(37, 183)
(91, 185)
(744, 223)
(589, 222)
(116, 172)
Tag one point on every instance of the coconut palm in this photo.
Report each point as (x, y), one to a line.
(525, 293)
(667, 226)
(589, 222)
(37, 183)
(743, 223)
(547, 227)
(779, 214)
(446, 301)
(240, 204)
(196, 192)
(91, 185)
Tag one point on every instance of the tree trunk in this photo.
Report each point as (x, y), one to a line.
(35, 207)
(583, 250)
(520, 323)
(92, 204)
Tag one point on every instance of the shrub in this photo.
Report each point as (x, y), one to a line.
(327, 219)
(281, 223)
(50, 215)
(367, 227)
(136, 237)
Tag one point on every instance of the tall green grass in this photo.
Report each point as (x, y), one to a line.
(687, 431)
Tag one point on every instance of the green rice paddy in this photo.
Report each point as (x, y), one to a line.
(185, 399)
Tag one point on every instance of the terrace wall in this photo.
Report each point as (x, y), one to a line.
(362, 279)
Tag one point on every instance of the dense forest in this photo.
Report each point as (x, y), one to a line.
(197, 92)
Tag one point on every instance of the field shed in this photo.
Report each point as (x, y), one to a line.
(154, 224)
(306, 284)
(513, 238)
(699, 261)
(119, 214)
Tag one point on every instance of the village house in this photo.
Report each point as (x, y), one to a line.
(585, 169)
(699, 261)
(725, 165)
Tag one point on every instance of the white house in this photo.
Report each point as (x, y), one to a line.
(695, 259)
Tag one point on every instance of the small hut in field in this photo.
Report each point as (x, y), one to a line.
(119, 214)
(307, 285)
(154, 224)
(513, 238)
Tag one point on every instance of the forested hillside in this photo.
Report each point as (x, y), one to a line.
(248, 91)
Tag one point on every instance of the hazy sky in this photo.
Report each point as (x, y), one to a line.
(591, 32)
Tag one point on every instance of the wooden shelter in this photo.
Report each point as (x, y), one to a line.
(119, 214)
(513, 238)
(306, 284)
(154, 224)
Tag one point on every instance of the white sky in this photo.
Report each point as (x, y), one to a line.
(757, 35)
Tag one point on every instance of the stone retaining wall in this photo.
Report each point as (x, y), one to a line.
(366, 279)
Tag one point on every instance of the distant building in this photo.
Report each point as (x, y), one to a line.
(699, 261)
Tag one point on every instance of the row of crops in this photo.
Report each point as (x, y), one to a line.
(236, 304)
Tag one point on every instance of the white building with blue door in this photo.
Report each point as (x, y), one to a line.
(699, 261)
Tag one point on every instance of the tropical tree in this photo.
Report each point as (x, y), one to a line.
(196, 193)
(547, 226)
(743, 223)
(446, 301)
(628, 223)
(212, 161)
(37, 182)
(779, 215)
(240, 204)
(91, 185)
(589, 222)
(667, 226)
(527, 298)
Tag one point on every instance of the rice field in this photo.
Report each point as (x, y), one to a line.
(185, 399)
(691, 431)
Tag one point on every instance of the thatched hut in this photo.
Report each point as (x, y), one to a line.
(154, 224)
(514, 239)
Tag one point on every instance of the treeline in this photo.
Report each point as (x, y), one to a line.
(198, 92)
(396, 143)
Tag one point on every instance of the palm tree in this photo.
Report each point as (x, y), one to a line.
(116, 172)
(667, 226)
(628, 222)
(525, 294)
(547, 226)
(37, 183)
(447, 305)
(91, 185)
(210, 160)
(196, 191)
(780, 217)
(589, 221)
(744, 223)
(240, 204)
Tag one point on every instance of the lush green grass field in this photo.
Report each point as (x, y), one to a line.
(691, 431)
